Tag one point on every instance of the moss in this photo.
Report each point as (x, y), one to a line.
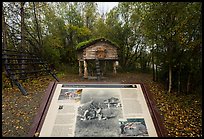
(91, 41)
(81, 44)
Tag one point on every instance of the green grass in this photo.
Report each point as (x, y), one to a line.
(84, 43)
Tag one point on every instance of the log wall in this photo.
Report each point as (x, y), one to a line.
(99, 50)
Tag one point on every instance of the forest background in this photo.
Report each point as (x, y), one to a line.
(163, 39)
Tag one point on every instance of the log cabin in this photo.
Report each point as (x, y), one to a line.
(100, 49)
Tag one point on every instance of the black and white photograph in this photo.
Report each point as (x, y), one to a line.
(98, 113)
(70, 94)
(133, 127)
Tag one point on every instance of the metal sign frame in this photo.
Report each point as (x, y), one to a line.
(43, 110)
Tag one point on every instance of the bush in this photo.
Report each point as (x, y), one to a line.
(52, 56)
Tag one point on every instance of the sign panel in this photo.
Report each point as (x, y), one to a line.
(98, 110)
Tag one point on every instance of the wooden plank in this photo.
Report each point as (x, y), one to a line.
(42, 110)
(14, 58)
(46, 109)
(157, 119)
(30, 72)
(8, 54)
(25, 63)
(91, 51)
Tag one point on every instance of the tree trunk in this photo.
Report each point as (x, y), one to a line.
(5, 44)
(87, 22)
(170, 79)
(4, 30)
(153, 70)
(37, 26)
(170, 45)
(188, 83)
(156, 72)
(179, 78)
(22, 38)
(22, 26)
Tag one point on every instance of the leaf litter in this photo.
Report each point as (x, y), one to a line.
(182, 114)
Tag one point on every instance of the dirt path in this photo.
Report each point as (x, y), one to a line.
(18, 111)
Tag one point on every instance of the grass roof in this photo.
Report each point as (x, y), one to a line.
(84, 44)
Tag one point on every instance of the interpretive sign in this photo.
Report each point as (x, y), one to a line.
(98, 110)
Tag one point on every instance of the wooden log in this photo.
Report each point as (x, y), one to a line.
(85, 70)
(114, 67)
(101, 51)
(80, 70)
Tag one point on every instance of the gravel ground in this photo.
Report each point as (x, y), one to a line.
(18, 111)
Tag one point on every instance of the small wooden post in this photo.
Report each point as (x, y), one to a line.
(98, 72)
(85, 70)
(80, 70)
(114, 67)
(105, 65)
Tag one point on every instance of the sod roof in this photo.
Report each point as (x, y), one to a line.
(87, 43)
